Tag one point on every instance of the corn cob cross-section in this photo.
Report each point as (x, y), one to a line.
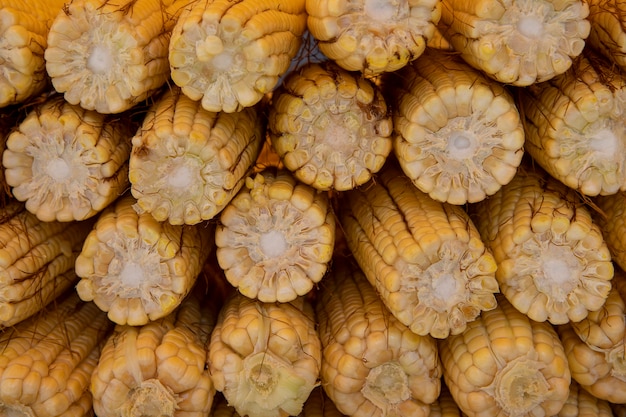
(372, 36)
(229, 54)
(457, 134)
(67, 163)
(425, 258)
(138, 269)
(265, 357)
(187, 163)
(517, 42)
(330, 127)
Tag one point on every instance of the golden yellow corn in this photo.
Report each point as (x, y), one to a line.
(505, 364)
(608, 29)
(10, 117)
(330, 127)
(138, 269)
(425, 258)
(187, 163)
(457, 134)
(67, 163)
(581, 403)
(276, 237)
(372, 36)
(229, 54)
(612, 222)
(372, 365)
(47, 360)
(110, 55)
(445, 406)
(265, 357)
(24, 26)
(36, 261)
(517, 42)
(160, 367)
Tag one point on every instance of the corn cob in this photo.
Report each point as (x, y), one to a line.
(24, 26)
(608, 29)
(425, 258)
(275, 238)
(574, 127)
(612, 222)
(108, 56)
(229, 54)
(517, 42)
(505, 364)
(158, 367)
(67, 163)
(10, 117)
(372, 36)
(46, 361)
(445, 406)
(457, 134)
(372, 365)
(265, 357)
(36, 261)
(553, 263)
(330, 127)
(187, 163)
(138, 269)
(581, 403)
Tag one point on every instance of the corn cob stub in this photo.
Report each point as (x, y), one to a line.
(187, 163)
(265, 357)
(505, 364)
(517, 42)
(276, 237)
(372, 365)
(372, 36)
(425, 258)
(138, 269)
(330, 127)
(229, 54)
(457, 134)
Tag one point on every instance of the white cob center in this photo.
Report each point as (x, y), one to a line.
(150, 398)
(559, 272)
(273, 244)
(461, 145)
(379, 9)
(100, 59)
(387, 384)
(530, 26)
(132, 274)
(604, 141)
(58, 169)
(180, 177)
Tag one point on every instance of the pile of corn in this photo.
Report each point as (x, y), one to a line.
(312, 207)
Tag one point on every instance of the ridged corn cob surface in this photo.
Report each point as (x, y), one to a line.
(425, 258)
(108, 56)
(229, 54)
(445, 406)
(372, 36)
(67, 163)
(372, 365)
(457, 133)
(608, 29)
(330, 127)
(517, 42)
(138, 269)
(10, 117)
(276, 237)
(265, 357)
(187, 163)
(553, 263)
(581, 403)
(505, 364)
(574, 126)
(612, 222)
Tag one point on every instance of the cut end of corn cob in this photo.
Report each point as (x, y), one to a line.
(373, 36)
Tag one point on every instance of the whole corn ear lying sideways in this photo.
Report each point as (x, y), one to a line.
(516, 42)
(330, 127)
(608, 29)
(46, 361)
(187, 163)
(229, 54)
(67, 163)
(425, 258)
(276, 237)
(581, 403)
(372, 36)
(574, 126)
(160, 367)
(553, 263)
(505, 364)
(109, 55)
(457, 134)
(24, 26)
(36, 261)
(612, 221)
(138, 269)
(372, 365)
(265, 357)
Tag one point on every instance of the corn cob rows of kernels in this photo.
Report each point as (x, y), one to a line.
(312, 207)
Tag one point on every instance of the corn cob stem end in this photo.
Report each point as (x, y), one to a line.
(387, 385)
(617, 358)
(15, 410)
(151, 398)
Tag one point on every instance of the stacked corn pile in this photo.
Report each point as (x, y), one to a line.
(312, 207)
